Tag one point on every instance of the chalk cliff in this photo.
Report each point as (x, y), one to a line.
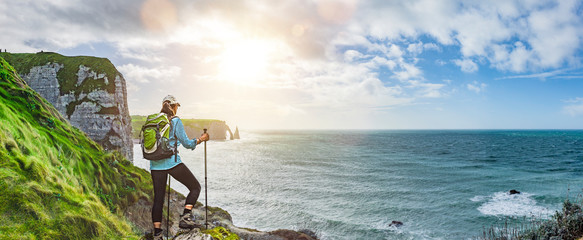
(217, 129)
(87, 91)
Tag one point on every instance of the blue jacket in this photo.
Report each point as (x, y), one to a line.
(178, 129)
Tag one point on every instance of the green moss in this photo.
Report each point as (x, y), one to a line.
(56, 183)
(108, 110)
(220, 233)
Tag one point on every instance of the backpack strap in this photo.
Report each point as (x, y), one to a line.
(175, 139)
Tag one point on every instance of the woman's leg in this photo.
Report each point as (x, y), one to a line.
(185, 176)
(159, 178)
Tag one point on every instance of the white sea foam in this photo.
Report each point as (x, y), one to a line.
(478, 198)
(515, 205)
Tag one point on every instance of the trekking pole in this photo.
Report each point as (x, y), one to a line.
(168, 209)
(206, 206)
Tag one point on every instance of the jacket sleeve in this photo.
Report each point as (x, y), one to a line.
(181, 134)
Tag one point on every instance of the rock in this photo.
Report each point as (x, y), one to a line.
(514, 192)
(291, 235)
(237, 133)
(43, 79)
(396, 224)
(309, 232)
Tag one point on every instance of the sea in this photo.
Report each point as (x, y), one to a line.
(352, 184)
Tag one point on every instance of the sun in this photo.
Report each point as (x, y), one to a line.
(244, 62)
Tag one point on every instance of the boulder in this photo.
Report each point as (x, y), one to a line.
(396, 224)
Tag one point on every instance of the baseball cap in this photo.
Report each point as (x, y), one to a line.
(171, 99)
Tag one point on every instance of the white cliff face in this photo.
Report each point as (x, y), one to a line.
(44, 79)
(103, 115)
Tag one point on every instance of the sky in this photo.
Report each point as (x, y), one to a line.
(327, 64)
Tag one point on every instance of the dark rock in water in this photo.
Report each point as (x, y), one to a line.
(396, 224)
(309, 232)
(291, 235)
(514, 192)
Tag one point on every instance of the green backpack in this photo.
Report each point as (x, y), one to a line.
(154, 137)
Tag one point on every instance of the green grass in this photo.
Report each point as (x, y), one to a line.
(220, 233)
(194, 124)
(56, 183)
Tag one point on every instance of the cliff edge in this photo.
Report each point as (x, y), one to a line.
(87, 91)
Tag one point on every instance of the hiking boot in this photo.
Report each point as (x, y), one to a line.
(159, 236)
(188, 221)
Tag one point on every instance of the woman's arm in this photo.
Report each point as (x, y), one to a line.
(181, 134)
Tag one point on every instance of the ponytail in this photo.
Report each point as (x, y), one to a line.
(166, 108)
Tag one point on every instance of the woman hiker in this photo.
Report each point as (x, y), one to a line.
(161, 168)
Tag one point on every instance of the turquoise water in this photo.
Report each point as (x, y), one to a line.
(352, 184)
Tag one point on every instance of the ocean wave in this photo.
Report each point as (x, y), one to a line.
(512, 205)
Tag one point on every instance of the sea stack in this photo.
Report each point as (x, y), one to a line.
(236, 133)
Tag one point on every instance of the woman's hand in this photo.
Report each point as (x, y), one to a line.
(204, 137)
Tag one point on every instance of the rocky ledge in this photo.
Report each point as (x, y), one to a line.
(140, 215)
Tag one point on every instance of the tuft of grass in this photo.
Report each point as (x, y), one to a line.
(55, 182)
(220, 233)
(566, 224)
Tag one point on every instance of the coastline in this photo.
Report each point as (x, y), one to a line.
(140, 214)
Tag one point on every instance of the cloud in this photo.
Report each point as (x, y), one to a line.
(352, 55)
(542, 75)
(287, 110)
(428, 90)
(511, 35)
(138, 74)
(476, 87)
(574, 107)
(564, 73)
(54, 25)
(331, 55)
(419, 47)
(467, 65)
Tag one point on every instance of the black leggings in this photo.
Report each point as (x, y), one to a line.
(180, 173)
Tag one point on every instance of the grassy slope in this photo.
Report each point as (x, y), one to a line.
(195, 124)
(55, 182)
